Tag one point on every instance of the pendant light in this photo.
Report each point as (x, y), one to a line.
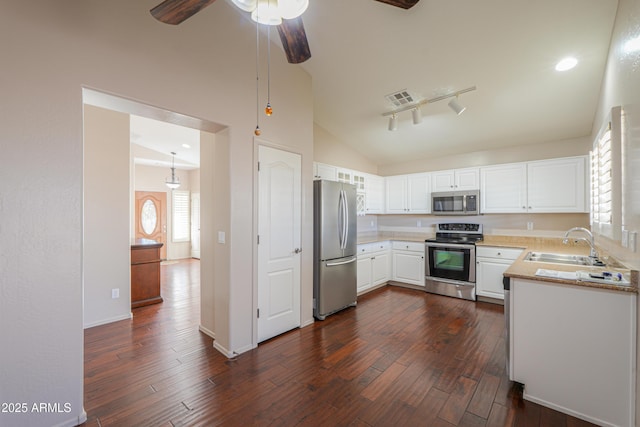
(174, 182)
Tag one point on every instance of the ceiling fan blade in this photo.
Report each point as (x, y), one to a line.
(294, 40)
(405, 4)
(175, 11)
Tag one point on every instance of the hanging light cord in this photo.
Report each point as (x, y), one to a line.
(269, 66)
(257, 131)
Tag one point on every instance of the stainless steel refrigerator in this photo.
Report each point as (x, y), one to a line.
(334, 249)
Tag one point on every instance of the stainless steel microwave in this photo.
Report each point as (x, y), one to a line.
(455, 203)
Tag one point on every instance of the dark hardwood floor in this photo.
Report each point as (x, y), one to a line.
(400, 358)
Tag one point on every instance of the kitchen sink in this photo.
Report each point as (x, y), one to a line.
(563, 259)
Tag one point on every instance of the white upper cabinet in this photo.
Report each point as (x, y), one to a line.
(374, 194)
(324, 171)
(557, 185)
(408, 193)
(545, 186)
(456, 179)
(504, 188)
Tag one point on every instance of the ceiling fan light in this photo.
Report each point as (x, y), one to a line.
(246, 5)
(267, 12)
(290, 9)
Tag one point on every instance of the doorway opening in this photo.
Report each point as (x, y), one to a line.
(110, 184)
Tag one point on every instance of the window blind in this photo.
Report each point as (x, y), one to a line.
(181, 227)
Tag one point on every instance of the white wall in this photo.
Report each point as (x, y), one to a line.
(621, 87)
(327, 148)
(107, 255)
(118, 48)
(517, 153)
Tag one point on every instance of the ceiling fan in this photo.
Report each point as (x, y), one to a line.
(292, 33)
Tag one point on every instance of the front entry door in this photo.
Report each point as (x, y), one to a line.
(151, 218)
(279, 229)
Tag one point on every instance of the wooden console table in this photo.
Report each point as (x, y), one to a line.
(145, 272)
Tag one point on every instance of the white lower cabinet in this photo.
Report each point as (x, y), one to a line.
(574, 349)
(373, 265)
(408, 262)
(491, 263)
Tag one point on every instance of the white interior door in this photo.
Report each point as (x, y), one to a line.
(195, 225)
(279, 228)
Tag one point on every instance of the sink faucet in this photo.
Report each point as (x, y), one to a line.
(593, 253)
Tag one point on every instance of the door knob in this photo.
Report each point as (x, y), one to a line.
(297, 250)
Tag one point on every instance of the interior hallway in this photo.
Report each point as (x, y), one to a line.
(401, 357)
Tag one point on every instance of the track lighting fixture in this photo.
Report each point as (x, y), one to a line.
(393, 122)
(456, 106)
(414, 106)
(416, 114)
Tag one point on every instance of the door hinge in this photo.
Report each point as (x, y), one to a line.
(258, 166)
(258, 239)
(258, 313)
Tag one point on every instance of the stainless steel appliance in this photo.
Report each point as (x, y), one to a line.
(450, 260)
(335, 247)
(455, 202)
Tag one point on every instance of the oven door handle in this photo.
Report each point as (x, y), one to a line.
(449, 245)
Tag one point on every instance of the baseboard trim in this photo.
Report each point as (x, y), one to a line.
(207, 332)
(110, 320)
(76, 421)
(567, 411)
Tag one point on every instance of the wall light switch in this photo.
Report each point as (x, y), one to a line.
(625, 238)
(115, 293)
(221, 237)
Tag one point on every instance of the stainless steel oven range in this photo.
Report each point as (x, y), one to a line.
(450, 265)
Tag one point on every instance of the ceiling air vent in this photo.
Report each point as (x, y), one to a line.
(401, 98)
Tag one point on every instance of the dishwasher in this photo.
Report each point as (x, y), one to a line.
(506, 283)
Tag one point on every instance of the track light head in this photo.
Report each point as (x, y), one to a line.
(455, 105)
(393, 122)
(416, 113)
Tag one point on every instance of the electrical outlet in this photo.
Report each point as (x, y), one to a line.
(372, 224)
(625, 238)
(529, 225)
(115, 293)
(419, 223)
(221, 237)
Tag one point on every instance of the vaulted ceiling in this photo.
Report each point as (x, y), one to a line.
(363, 50)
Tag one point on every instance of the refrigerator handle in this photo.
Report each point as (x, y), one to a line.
(340, 220)
(333, 264)
(346, 220)
(343, 218)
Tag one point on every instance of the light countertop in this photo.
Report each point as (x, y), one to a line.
(521, 269)
(525, 269)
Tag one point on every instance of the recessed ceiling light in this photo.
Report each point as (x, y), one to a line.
(186, 146)
(632, 45)
(566, 64)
